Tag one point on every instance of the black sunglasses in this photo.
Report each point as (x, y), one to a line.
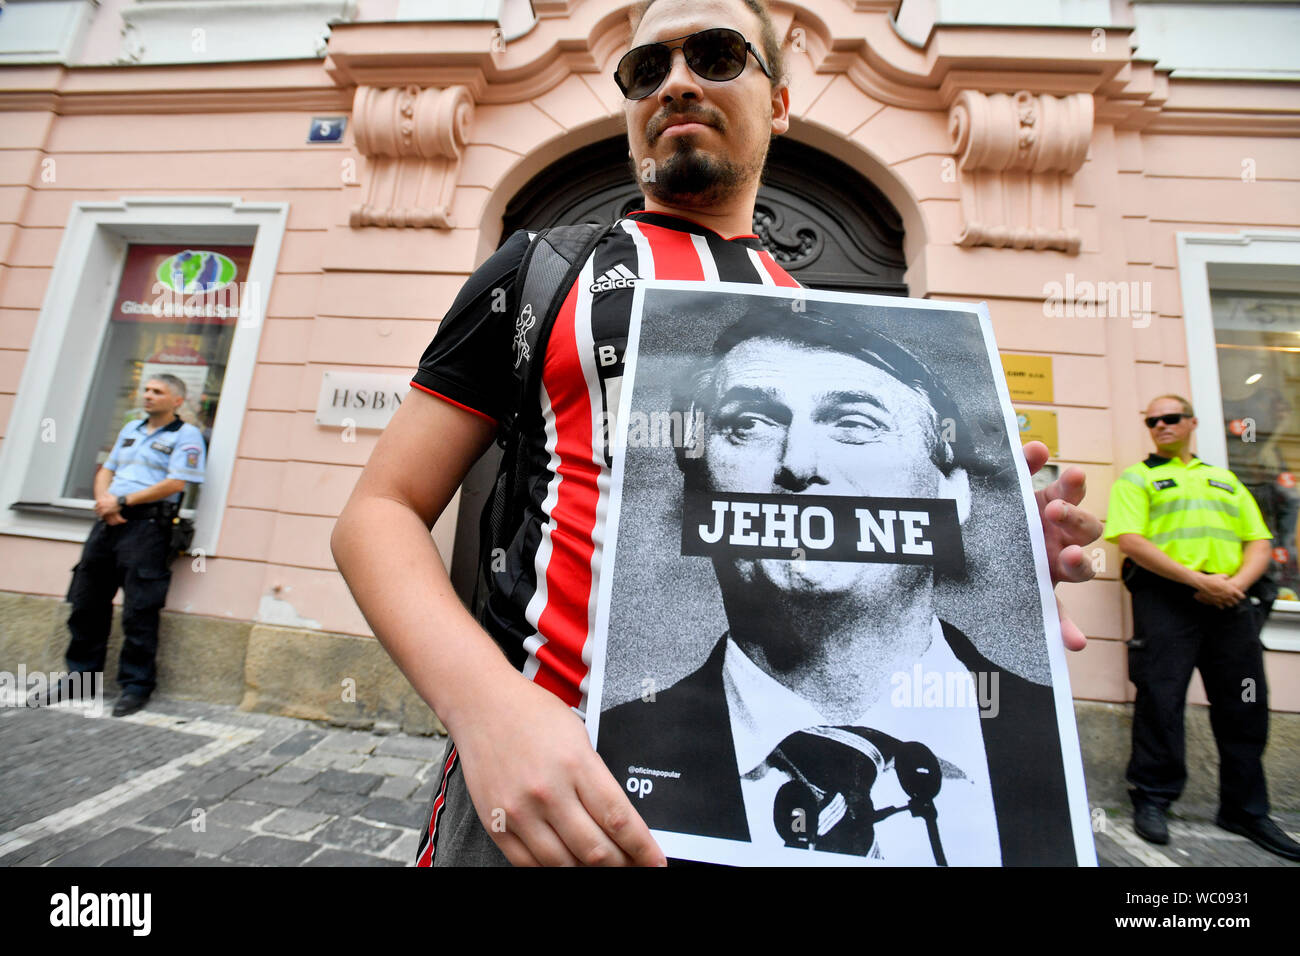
(1173, 418)
(718, 54)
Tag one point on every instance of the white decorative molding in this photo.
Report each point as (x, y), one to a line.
(917, 18)
(1018, 156)
(47, 32)
(433, 10)
(572, 37)
(413, 138)
(222, 31)
(1242, 41)
(132, 49)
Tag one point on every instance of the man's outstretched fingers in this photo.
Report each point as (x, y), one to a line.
(1074, 566)
(1036, 454)
(1071, 486)
(1077, 526)
(1073, 638)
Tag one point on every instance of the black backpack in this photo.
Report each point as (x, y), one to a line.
(546, 274)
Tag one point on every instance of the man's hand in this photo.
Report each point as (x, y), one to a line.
(1066, 529)
(1218, 590)
(106, 505)
(114, 518)
(541, 791)
(528, 763)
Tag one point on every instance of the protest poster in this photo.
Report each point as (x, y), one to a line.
(825, 630)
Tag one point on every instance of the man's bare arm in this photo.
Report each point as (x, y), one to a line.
(523, 751)
(106, 505)
(168, 486)
(1255, 560)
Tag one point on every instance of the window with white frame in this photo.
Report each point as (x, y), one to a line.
(1257, 345)
(1241, 310)
(139, 287)
(175, 313)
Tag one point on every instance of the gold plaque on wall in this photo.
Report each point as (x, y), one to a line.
(1038, 424)
(1029, 377)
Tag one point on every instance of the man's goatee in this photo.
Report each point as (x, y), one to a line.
(692, 178)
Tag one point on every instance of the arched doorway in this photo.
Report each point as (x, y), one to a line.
(822, 220)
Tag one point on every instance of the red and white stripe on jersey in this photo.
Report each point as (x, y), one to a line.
(562, 607)
(429, 839)
(559, 609)
(769, 273)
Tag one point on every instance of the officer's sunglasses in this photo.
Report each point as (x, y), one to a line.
(718, 54)
(1173, 418)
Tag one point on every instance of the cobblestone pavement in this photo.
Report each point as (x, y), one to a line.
(192, 784)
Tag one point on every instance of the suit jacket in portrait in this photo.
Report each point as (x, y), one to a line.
(686, 730)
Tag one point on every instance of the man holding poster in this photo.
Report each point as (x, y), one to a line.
(705, 90)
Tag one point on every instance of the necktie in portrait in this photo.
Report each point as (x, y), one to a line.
(827, 804)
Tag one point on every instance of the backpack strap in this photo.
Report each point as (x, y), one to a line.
(546, 274)
(550, 266)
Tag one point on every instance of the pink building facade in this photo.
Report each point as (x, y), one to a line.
(1123, 196)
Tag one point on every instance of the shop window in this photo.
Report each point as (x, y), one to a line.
(140, 286)
(175, 312)
(1241, 315)
(1257, 343)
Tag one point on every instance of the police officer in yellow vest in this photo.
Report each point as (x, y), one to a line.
(1196, 549)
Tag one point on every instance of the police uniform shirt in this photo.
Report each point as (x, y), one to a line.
(1197, 514)
(141, 458)
(764, 712)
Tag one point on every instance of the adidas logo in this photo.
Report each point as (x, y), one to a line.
(619, 277)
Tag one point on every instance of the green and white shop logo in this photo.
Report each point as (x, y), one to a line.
(196, 270)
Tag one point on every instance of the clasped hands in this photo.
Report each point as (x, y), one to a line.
(1219, 590)
(106, 507)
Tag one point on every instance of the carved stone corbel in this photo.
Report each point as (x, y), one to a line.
(413, 138)
(1018, 156)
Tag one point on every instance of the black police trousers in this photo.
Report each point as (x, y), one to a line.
(1172, 634)
(135, 557)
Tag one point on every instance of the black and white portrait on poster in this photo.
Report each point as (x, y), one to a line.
(825, 631)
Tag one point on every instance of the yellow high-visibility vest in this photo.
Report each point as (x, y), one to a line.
(1196, 513)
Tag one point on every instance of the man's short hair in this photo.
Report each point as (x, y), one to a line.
(1187, 406)
(171, 381)
(767, 35)
(950, 445)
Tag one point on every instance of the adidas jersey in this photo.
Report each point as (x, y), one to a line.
(541, 605)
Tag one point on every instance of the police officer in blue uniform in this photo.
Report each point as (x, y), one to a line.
(138, 491)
